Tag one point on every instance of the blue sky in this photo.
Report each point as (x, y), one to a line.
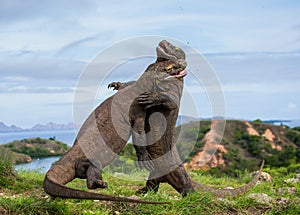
(253, 47)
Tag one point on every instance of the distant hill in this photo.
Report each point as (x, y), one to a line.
(5, 128)
(186, 119)
(244, 145)
(52, 126)
(37, 127)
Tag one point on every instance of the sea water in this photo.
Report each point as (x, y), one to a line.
(40, 164)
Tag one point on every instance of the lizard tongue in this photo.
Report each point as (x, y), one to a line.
(180, 74)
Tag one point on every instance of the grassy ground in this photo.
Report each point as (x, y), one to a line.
(26, 196)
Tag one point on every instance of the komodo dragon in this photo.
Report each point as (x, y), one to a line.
(160, 149)
(105, 133)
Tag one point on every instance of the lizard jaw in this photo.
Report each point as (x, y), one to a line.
(179, 75)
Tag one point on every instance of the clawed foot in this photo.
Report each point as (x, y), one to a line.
(115, 85)
(96, 184)
(146, 189)
(143, 190)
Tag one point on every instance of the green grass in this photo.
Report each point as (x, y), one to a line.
(26, 196)
(7, 172)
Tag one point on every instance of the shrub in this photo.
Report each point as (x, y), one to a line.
(258, 121)
(7, 173)
(294, 136)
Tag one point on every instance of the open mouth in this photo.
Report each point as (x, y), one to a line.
(179, 75)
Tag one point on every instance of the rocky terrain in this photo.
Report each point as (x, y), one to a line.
(243, 144)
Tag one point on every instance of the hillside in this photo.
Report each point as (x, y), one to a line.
(22, 151)
(244, 145)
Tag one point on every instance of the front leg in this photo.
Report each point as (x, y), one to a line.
(151, 99)
(120, 85)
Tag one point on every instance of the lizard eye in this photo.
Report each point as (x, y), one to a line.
(175, 67)
(168, 68)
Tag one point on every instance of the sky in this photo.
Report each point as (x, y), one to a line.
(253, 48)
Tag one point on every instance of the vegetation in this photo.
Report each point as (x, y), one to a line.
(257, 121)
(7, 173)
(27, 197)
(245, 151)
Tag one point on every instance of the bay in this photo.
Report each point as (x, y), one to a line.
(40, 164)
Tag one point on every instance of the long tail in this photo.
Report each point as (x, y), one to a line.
(62, 191)
(221, 193)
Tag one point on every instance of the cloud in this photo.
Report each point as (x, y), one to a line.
(39, 90)
(41, 28)
(18, 10)
(253, 48)
(39, 67)
(76, 44)
(292, 106)
(256, 67)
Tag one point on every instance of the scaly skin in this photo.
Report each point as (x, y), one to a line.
(103, 136)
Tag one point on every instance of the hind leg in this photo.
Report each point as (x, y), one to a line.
(180, 181)
(84, 168)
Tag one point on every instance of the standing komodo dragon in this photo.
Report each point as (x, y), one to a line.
(159, 154)
(104, 134)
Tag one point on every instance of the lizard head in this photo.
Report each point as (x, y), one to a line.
(167, 51)
(174, 59)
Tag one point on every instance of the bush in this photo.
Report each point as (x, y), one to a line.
(294, 136)
(258, 121)
(297, 128)
(7, 173)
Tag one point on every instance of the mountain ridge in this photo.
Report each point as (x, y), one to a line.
(38, 127)
(182, 119)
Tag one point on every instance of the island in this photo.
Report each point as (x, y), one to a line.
(23, 151)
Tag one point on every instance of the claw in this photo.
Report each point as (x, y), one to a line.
(114, 85)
